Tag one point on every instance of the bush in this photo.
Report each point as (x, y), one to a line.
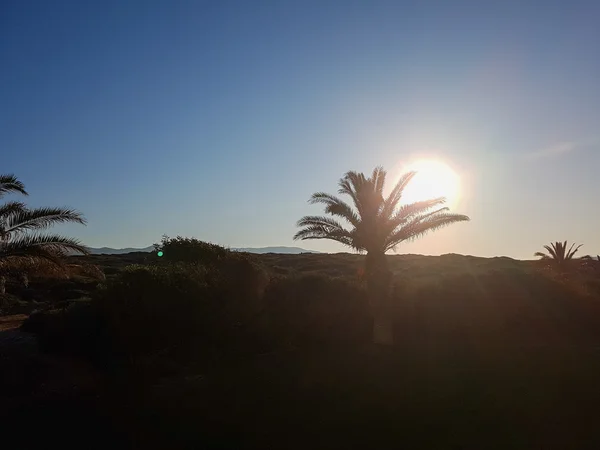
(152, 309)
(195, 301)
(111, 271)
(190, 250)
(77, 330)
(59, 290)
(316, 309)
(7, 301)
(181, 309)
(185, 312)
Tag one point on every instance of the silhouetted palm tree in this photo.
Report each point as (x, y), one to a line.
(375, 224)
(558, 253)
(20, 226)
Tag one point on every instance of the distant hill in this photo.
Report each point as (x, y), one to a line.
(286, 250)
(120, 251)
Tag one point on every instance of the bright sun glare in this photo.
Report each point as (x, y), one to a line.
(433, 179)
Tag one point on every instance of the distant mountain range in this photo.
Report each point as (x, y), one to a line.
(120, 251)
(289, 250)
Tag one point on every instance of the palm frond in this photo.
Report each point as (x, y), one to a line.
(320, 232)
(10, 183)
(319, 220)
(336, 207)
(420, 207)
(350, 184)
(391, 202)
(403, 219)
(561, 250)
(51, 247)
(571, 252)
(541, 255)
(40, 218)
(364, 192)
(10, 208)
(410, 211)
(437, 213)
(422, 225)
(378, 179)
(318, 227)
(323, 197)
(553, 250)
(357, 179)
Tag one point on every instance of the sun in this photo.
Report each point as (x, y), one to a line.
(434, 178)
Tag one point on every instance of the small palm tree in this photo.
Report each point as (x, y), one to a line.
(19, 231)
(558, 253)
(376, 225)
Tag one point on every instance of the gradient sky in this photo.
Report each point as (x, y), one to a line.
(218, 119)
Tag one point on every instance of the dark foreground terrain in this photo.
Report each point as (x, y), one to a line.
(485, 359)
(517, 398)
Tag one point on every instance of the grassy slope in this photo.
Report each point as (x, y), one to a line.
(341, 264)
(490, 360)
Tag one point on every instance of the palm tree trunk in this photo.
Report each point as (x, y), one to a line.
(379, 280)
(2, 284)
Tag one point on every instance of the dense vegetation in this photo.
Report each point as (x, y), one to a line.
(223, 303)
(274, 345)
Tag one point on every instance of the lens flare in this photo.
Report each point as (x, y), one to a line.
(433, 179)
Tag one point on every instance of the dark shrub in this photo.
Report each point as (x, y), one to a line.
(7, 301)
(77, 330)
(240, 271)
(190, 250)
(181, 309)
(153, 309)
(316, 309)
(111, 270)
(242, 275)
(167, 310)
(28, 294)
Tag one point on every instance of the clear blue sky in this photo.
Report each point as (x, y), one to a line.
(218, 119)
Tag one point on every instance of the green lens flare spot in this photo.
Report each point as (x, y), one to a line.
(160, 253)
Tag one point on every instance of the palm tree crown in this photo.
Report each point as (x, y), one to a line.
(376, 223)
(558, 252)
(20, 227)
